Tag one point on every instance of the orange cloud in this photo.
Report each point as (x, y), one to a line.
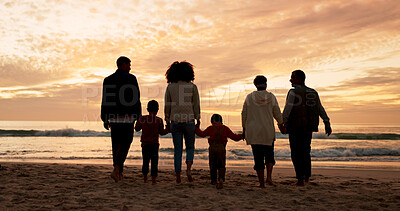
(51, 52)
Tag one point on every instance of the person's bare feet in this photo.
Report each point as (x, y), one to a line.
(153, 180)
(189, 175)
(121, 176)
(145, 178)
(269, 182)
(220, 184)
(262, 184)
(189, 171)
(114, 177)
(115, 174)
(299, 183)
(178, 177)
(307, 180)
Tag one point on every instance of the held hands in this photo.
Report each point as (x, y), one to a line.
(282, 128)
(168, 124)
(106, 125)
(198, 123)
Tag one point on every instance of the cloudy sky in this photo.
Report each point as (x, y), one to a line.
(55, 54)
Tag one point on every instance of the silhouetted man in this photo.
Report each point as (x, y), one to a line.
(120, 108)
(301, 118)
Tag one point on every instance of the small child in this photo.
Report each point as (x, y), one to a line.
(217, 153)
(151, 127)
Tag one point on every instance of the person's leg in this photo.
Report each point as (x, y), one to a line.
(116, 144)
(115, 140)
(297, 155)
(221, 167)
(221, 176)
(270, 166)
(189, 134)
(177, 137)
(221, 160)
(126, 140)
(154, 163)
(213, 168)
(146, 159)
(259, 163)
(269, 162)
(307, 154)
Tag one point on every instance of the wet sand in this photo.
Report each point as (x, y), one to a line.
(42, 186)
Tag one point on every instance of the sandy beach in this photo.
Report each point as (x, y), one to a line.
(41, 186)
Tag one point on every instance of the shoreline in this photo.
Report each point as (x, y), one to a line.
(361, 172)
(349, 165)
(55, 186)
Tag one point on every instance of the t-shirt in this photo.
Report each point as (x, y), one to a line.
(151, 126)
(211, 131)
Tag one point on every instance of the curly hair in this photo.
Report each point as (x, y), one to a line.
(180, 71)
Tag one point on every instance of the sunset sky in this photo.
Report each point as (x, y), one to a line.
(55, 54)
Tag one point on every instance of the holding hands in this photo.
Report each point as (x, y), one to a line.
(168, 125)
(106, 125)
(282, 128)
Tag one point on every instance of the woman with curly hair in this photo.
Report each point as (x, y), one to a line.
(182, 107)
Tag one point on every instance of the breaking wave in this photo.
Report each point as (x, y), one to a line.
(69, 132)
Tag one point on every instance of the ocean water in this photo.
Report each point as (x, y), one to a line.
(350, 146)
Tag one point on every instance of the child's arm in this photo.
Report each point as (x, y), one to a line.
(234, 136)
(138, 125)
(202, 133)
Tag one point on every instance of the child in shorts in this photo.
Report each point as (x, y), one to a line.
(217, 151)
(151, 126)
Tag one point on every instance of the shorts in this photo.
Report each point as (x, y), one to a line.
(262, 153)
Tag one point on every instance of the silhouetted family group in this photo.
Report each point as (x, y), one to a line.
(121, 109)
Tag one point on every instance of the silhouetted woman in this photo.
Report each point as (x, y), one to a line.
(182, 107)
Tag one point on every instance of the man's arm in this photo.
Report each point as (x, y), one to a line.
(324, 116)
(138, 125)
(321, 111)
(138, 105)
(104, 111)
